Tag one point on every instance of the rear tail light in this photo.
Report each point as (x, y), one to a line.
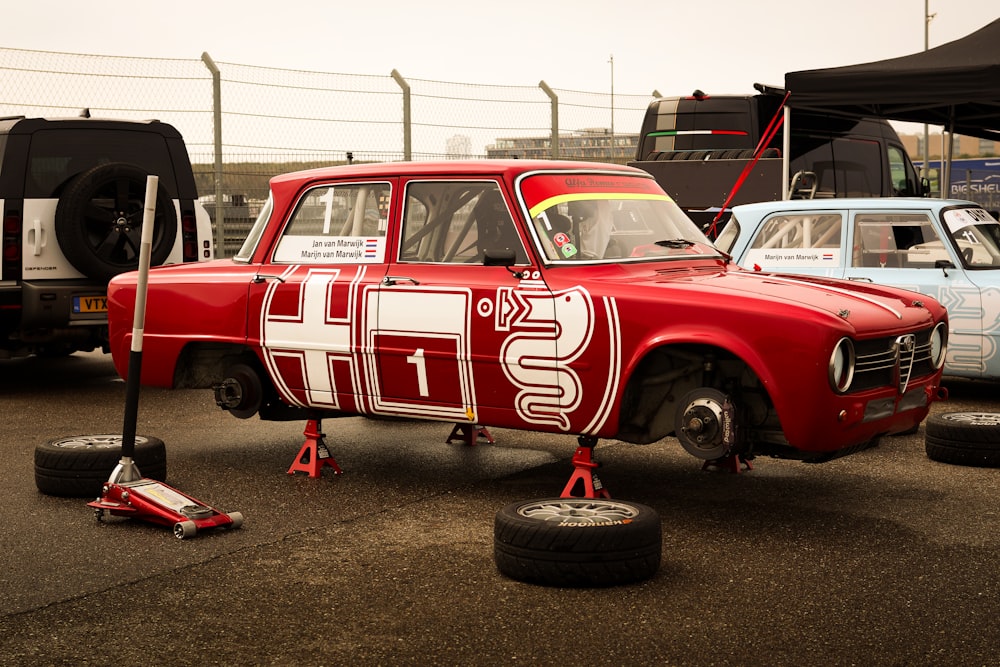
(189, 236)
(11, 245)
(11, 223)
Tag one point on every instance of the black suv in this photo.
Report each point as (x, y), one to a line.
(73, 192)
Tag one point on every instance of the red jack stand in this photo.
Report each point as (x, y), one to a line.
(314, 453)
(583, 472)
(734, 463)
(469, 434)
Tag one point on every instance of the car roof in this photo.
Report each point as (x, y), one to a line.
(928, 203)
(509, 168)
(23, 125)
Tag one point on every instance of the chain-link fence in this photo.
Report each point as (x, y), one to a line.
(243, 124)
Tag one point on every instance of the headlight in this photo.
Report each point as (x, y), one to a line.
(842, 365)
(939, 344)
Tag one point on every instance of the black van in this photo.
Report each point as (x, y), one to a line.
(697, 146)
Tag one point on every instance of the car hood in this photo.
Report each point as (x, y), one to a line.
(864, 306)
(841, 298)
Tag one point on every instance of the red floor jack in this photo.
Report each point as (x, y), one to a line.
(126, 493)
(155, 502)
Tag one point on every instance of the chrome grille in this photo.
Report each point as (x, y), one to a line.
(888, 362)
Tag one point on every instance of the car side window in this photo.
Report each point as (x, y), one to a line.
(896, 240)
(337, 224)
(798, 240)
(904, 179)
(456, 222)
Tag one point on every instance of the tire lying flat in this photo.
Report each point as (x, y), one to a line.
(77, 466)
(964, 438)
(577, 542)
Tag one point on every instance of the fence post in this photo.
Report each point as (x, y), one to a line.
(407, 136)
(220, 239)
(555, 117)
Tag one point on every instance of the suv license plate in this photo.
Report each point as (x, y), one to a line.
(90, 304)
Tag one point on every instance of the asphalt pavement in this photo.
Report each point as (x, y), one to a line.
(881, 558)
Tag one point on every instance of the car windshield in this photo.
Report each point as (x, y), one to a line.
(246, 250)
(727, 237)
(607, 217)
(976, 234)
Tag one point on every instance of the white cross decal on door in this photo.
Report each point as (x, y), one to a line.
(312, 336)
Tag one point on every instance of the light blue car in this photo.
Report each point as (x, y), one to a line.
(947, 248)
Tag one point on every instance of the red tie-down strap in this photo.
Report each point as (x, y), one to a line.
(772, 128)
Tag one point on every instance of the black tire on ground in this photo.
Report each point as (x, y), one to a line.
(964, 438)
(577, 542)
(99, 221)
(77, 466)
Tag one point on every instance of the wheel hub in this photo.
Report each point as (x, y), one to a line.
(702, 421)
(706, 424)
(240, 392)
(228, 394)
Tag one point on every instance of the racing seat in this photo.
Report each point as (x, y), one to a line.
(495, 228)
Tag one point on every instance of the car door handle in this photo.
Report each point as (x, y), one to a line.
(860, 278)
(392, 280)
(36, 237)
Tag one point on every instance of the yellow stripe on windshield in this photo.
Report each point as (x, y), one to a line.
(559, 199)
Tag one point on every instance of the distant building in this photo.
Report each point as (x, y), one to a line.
(963, 147)
(458, 147)
(597, 145)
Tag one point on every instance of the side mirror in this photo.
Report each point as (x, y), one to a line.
(944, 265)
(503, 257)
(925, 187)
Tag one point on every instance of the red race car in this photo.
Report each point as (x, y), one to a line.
(564, 297)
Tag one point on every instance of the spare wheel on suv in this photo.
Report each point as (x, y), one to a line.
(99, 216)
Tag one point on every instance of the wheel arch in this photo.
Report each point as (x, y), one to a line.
(665, 369)
(201, 364)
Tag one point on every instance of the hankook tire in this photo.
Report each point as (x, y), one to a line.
(964, 438)
(577, 542)
(78, 466)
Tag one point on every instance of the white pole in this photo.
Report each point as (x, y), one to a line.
(126, 470)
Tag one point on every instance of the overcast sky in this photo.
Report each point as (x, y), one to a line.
(673, 46)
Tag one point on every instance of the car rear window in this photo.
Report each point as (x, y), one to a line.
(56, 156)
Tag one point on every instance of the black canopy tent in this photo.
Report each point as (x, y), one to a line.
(955, 85)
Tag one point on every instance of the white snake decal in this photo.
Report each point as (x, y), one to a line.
(549, 388)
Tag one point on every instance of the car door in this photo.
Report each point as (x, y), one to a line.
(445, 316)
(805, 242)
(906, 248)
(316, 291)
